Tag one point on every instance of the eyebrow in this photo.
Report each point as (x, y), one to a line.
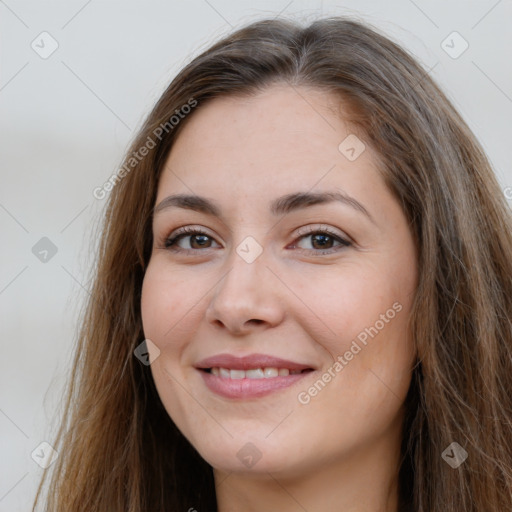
(279, 206)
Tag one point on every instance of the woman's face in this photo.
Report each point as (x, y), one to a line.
(279, 331)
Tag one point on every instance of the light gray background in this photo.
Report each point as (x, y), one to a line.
(66, 120)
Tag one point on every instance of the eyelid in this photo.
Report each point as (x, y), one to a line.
(190, 229)
(304, 230)
(311, 229)
(344, 240)
(185, 231)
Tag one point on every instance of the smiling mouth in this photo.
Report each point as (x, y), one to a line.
(253, 373)
(251, 383)
(250, 376)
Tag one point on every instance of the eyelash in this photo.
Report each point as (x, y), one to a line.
(169, 243)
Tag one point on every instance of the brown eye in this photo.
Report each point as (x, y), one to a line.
(323, 240)
(197, 240)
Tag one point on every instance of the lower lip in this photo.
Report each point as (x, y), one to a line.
(248, 388)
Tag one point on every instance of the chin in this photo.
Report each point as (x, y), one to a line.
(258, 456)
(250, 461)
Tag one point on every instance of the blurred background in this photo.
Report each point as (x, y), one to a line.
(76, 81)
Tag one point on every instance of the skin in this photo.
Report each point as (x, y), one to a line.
(339, 451)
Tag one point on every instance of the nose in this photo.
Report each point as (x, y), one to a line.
(248, 297)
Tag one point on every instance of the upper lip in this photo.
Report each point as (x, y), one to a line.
(247, 362)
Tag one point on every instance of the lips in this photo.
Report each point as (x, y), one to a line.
(249, 362)
(251, 376)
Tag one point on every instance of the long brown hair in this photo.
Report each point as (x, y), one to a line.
(120, 451)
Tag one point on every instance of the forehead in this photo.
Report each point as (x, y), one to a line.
(276, 141)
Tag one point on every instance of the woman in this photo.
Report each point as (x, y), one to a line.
(303, 297)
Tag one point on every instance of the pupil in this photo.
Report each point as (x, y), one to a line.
(322, 243)
(197, 238)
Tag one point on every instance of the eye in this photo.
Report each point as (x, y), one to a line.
(322, 240)
(198, 239)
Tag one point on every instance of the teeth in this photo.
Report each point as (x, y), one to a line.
(271, 372)
(237, 374)
(253, 373)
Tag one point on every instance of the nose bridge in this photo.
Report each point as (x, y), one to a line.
(247, 273)
(246, 291)
(247, 260)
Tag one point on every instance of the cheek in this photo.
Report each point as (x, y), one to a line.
(362, 316)
(365, 319)
(347, 302)
(167, 306)
(168, 318)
